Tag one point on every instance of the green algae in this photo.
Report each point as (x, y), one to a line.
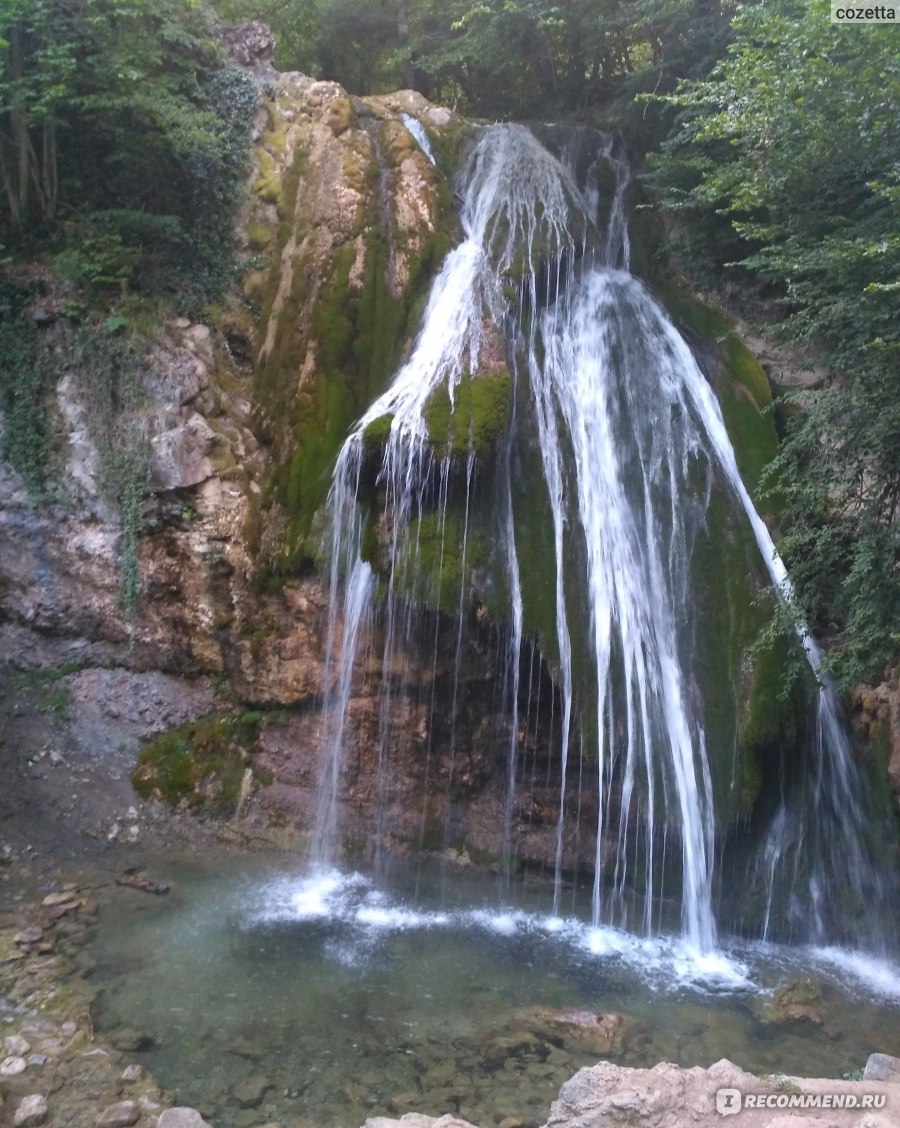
(476, 418)
(376, 433)
(435, 567)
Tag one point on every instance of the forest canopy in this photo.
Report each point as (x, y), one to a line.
(768, 137)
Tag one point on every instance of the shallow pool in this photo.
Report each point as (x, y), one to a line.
(261, 992)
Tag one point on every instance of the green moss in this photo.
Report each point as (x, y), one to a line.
(744, 395)
(341, 115)
(477, 419)
(258, 236)
(769, 721)
(199, 764)
(376, 433)
(432, 569)
(275, 139)
(448, 143)
(268, 184)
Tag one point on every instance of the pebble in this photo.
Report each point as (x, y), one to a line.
(16, 1046)
(28, 936)
(37, 1059)
(133, 1073)
(120, 1115)
(52, 900)
(32, 1111)
(12, 1066)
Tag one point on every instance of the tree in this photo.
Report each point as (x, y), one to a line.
(37, 39)
(793, 141)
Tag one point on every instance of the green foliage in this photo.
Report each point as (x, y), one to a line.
(123, 136)
(506, 58)
(46, 690)
(199, 764)
(785, 161)
(110, 367)
(29, 372)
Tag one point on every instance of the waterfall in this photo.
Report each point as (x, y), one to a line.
(417, 130)
(631, 444)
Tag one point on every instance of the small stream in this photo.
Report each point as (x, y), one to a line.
(262, 992)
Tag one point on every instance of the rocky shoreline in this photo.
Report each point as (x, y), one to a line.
(54, 1071)
(666, 1096)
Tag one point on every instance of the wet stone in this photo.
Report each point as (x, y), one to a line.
(250, 1093)
(12, 1066)
(120, 1115)
(31, 1112)
(54, 900)
(28, 936)
(16, 1046)
(133, 1073)
(131, 1041)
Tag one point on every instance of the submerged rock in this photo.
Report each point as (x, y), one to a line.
(120, 1115)
(31, 1112)
(667, 1096)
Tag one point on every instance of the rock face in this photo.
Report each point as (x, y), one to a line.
(667, 1096)
(346, 223)
(252, 45)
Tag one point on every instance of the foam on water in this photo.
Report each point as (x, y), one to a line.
(878, 976)
(350, 903)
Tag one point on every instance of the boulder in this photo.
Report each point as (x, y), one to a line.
(882, 1067)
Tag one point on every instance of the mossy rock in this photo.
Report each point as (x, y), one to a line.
(268, 184)
(358, 333)
(341, 115)
(375, 434)
(435, 568)
(475, 420)
(258, 236)
(199, 764)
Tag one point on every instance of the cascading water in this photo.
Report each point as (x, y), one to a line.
(631, 444)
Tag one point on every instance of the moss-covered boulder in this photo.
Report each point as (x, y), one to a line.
(474, 419)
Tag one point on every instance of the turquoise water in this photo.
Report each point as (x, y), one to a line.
(264, 993)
